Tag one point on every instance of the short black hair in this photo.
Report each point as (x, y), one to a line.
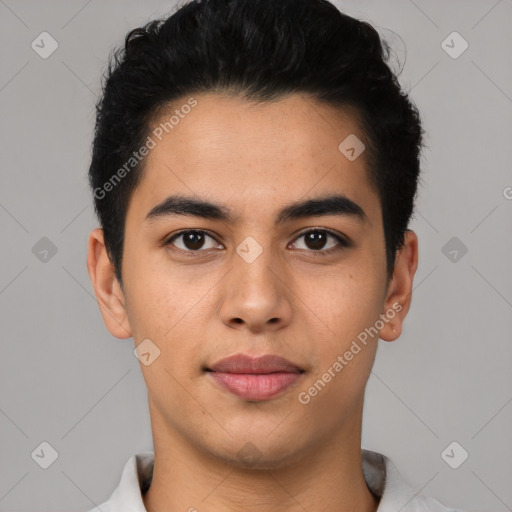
(262, 51)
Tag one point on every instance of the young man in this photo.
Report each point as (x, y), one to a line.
(254, 171)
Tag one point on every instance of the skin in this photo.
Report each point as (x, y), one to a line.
(290, 301)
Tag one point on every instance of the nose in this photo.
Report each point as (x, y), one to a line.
(256, 294)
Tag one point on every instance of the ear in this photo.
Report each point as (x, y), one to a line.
(108, 292)
(399, 294)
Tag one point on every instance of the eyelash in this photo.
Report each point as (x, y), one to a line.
(343, 243)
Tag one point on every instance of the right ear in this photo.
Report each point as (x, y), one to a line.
(108, 292)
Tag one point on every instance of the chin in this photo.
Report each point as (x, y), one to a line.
(259, 453)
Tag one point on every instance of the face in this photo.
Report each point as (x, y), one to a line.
(253, 275)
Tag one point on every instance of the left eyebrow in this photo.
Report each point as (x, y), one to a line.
(337, 204)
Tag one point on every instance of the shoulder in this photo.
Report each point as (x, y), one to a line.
(135, 477)
(394, 491)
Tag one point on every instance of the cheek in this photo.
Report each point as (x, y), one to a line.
(346, 301)
(157, 294)
(348, 305)
(170, 311)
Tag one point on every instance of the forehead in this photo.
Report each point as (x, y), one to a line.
(252, 156)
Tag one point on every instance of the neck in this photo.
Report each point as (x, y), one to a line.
(323, 477)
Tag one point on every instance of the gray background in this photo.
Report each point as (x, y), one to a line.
(65, 380)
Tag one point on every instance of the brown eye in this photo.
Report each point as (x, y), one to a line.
(316, 239)
(193, 240)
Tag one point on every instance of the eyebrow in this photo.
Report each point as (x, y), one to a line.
(337, 204)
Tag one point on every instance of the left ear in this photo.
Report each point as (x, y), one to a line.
(399, 295)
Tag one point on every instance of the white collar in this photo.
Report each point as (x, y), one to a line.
(381, 475)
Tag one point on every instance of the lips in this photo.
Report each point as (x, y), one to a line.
(255, 378)
(240, 363)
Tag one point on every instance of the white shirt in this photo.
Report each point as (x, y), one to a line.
(381, 475)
